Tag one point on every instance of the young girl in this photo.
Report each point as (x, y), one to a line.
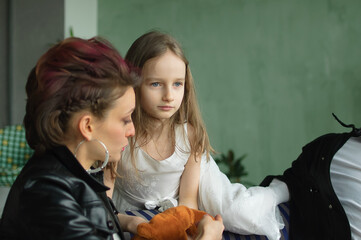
(169, 157)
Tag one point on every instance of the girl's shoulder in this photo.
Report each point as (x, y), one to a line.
(181, 135)
(185, 129)
(190, 131)
(181, 127)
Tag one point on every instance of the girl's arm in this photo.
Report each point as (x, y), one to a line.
(188, 190)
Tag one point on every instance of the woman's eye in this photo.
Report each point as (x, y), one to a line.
(155, 84)
(127, 121)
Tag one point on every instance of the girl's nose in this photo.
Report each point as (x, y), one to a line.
(168, 95)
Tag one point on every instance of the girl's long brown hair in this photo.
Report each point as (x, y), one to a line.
(151, 45)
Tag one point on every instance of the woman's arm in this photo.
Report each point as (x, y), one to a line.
(51, 210)
(210, 229)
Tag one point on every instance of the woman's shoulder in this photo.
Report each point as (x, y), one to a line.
(45, 174)
(48, 172)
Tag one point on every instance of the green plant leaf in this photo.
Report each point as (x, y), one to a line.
(231, 166)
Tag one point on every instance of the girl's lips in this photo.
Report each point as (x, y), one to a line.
(165, 108)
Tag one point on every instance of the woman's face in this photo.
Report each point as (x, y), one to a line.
(117, 126)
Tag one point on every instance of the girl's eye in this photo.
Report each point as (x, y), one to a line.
(155, 84)
(178, 84)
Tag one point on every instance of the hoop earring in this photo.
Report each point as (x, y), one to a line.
(105, 160)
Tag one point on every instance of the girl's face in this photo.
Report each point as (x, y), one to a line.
(162, 90)
(117, 126)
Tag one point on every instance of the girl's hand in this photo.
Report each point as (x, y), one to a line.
(130, 223)
(210, 229)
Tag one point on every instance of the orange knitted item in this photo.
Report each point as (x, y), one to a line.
(174, 223)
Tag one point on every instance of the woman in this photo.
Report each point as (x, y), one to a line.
(78, 113)
(78, 118)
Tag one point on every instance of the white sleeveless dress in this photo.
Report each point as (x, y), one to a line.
(155, 180)
(244, 211)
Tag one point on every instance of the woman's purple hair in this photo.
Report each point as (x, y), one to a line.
(72, 76)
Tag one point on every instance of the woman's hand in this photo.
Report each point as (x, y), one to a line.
(130, 223)
(210, 229)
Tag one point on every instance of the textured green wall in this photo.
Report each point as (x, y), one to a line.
(268, 73)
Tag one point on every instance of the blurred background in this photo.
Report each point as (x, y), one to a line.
(268, 74)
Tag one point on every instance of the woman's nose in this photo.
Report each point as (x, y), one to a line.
(130, 131)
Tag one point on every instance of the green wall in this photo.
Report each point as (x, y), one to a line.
(268, 73)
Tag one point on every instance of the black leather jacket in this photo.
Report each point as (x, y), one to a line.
(55, 198)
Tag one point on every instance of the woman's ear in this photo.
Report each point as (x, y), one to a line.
(85, 126)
